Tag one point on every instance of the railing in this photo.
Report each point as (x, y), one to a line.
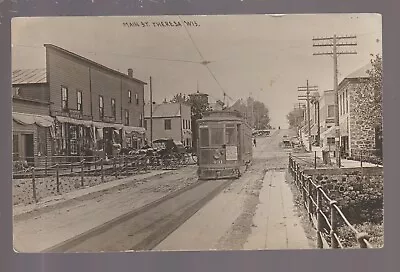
(313, 198)
(373, 156)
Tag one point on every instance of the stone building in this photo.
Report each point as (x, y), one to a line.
(360, 129)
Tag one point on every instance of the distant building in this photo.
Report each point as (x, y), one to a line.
(327, 120)
(170, 121)
(93, 106)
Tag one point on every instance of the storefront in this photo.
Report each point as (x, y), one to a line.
(32, 137)
(134, 137)
(107, 137)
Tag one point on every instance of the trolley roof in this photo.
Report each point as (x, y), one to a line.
(222, 116)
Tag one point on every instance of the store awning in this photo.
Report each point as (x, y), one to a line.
(128, 129)
(30, 119)
(330, 132)
(63, 119)
(107, 125)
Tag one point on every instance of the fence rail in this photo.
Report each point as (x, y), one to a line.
(122, 165)
(313, 198)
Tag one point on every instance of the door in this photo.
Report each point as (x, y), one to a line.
(28, 147)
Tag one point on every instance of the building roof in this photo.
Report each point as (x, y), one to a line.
(62, 50)
(361, 72)
(29, 76)
(164, 110)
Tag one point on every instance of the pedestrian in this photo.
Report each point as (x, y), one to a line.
(254, 142)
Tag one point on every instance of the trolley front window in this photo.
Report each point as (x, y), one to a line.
(217, 136)
(204, 137)
(230, 135)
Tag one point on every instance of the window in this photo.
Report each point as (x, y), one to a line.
(184, 124)
(113, 108)
(101, 106)
(204, 137)
(79, 101)
(167, 124)
(129, 96)
(137, 99)
(230, 135)
(331, 111)
(126, 118)
(64, 98)
(217, 136)
(145, 124)
(140, 120)
(347, 102)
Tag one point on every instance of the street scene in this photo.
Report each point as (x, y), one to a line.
(188, 133)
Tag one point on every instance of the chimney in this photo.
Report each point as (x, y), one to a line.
(130, 72)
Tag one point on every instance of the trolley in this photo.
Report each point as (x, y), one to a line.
(225, 146)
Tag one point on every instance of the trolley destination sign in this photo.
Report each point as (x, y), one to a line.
(193, 133)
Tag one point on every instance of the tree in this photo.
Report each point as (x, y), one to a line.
(295, 117)
(179, 98)
(261, 115)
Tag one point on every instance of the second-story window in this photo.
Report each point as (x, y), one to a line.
(137, 99)
(113, 108)
(331, 111)
(64, 98)
(79, 101)
(130, 96)
(167, 124)
(126, 118)
(101, 106)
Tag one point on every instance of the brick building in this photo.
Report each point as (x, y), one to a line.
(170, 121)
(94, 107)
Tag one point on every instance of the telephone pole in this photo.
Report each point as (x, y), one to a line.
(151, 113)
(307, 89)
(333, 43)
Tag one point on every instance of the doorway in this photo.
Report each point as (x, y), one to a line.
(27, 142)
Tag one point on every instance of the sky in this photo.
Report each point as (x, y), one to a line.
(263, 56)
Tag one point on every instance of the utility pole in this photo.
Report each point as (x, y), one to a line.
(151, 113)
(333, 43)
(307, 89)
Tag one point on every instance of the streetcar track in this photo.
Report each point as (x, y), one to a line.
(154, 238)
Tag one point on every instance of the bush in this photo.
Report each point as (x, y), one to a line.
(375, 231)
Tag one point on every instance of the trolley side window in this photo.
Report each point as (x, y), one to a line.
(204, 137)
(230, 134)
(217, 136)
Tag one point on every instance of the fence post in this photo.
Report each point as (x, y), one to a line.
(58, 178)
(310, 195)
(360, 238)
(319, 217)
(303, 189)
(34, 185)
(102, 170)
(334, 242)
(82, 173)
(315, 159)
(45, 165)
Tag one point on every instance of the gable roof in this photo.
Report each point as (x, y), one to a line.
(361, 72)
(164, 110)
(29, 76)
(64, 51)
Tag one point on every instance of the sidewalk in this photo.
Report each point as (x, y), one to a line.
(276, 224)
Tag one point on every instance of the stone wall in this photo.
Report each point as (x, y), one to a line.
(364, 116)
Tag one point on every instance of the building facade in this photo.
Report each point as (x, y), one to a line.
(93, 107)
(170, 121)
(361, 131)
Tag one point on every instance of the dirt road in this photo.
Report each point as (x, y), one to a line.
(254, 212)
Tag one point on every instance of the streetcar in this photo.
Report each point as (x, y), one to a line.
(225, 147)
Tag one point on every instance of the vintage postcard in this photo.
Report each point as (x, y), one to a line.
(171, 133)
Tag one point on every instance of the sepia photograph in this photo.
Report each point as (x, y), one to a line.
(197, 133)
